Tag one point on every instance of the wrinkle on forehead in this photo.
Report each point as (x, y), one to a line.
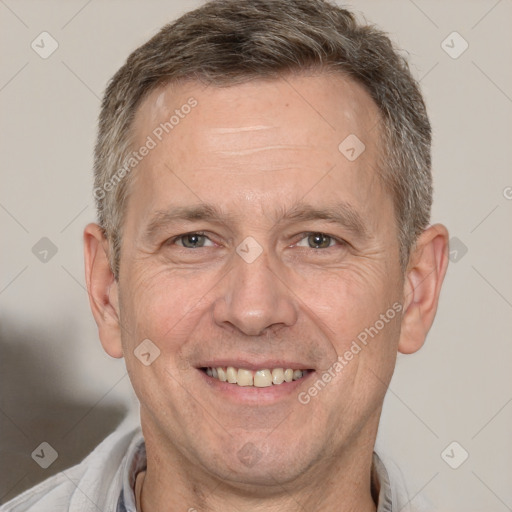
(250, 151)
(274, 142)
(237, 129)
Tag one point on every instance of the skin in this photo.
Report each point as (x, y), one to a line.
(255, 152)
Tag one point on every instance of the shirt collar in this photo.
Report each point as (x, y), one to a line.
(135, 463)
(381, 482)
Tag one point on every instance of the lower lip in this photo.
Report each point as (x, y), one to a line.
(253, 394)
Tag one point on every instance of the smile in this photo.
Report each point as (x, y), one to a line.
(259, 378)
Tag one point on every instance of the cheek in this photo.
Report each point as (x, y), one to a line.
(164, 306)
(348, 300)
(362, 318)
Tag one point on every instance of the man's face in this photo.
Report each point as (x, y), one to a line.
(291, 252)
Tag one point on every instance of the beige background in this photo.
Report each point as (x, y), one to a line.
(56, 383)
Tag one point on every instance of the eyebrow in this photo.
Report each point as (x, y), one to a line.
(342, 213)
(162, 218)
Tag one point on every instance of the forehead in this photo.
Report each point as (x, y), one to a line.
(321, 107)
(260, 141)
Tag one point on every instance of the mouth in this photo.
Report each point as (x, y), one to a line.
(261, 378)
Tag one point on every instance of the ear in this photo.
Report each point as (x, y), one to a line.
(422, 286)
(103, 289)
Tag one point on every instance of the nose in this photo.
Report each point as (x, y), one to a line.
(255, 298)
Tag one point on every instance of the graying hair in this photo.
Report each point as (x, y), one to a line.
(225, 42)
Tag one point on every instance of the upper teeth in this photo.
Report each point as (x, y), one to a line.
(259, 378)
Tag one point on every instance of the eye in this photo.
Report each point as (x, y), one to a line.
(193, 240)
(317, 241)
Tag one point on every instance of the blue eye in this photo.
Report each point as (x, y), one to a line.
(193, 240)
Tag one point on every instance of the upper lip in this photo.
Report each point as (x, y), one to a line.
(255, 365)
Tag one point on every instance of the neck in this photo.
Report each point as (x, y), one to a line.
(338, 483)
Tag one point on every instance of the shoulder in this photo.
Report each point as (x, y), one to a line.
(92, 485)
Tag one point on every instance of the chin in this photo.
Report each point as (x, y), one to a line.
(256, 464)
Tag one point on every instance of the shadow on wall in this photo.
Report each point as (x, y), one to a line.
(34, 409)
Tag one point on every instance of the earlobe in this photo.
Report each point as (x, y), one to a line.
(423, 281)
(102, 289)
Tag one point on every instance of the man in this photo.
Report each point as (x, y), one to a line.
(263, 251)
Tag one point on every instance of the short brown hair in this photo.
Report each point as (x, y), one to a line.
(229, 41)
